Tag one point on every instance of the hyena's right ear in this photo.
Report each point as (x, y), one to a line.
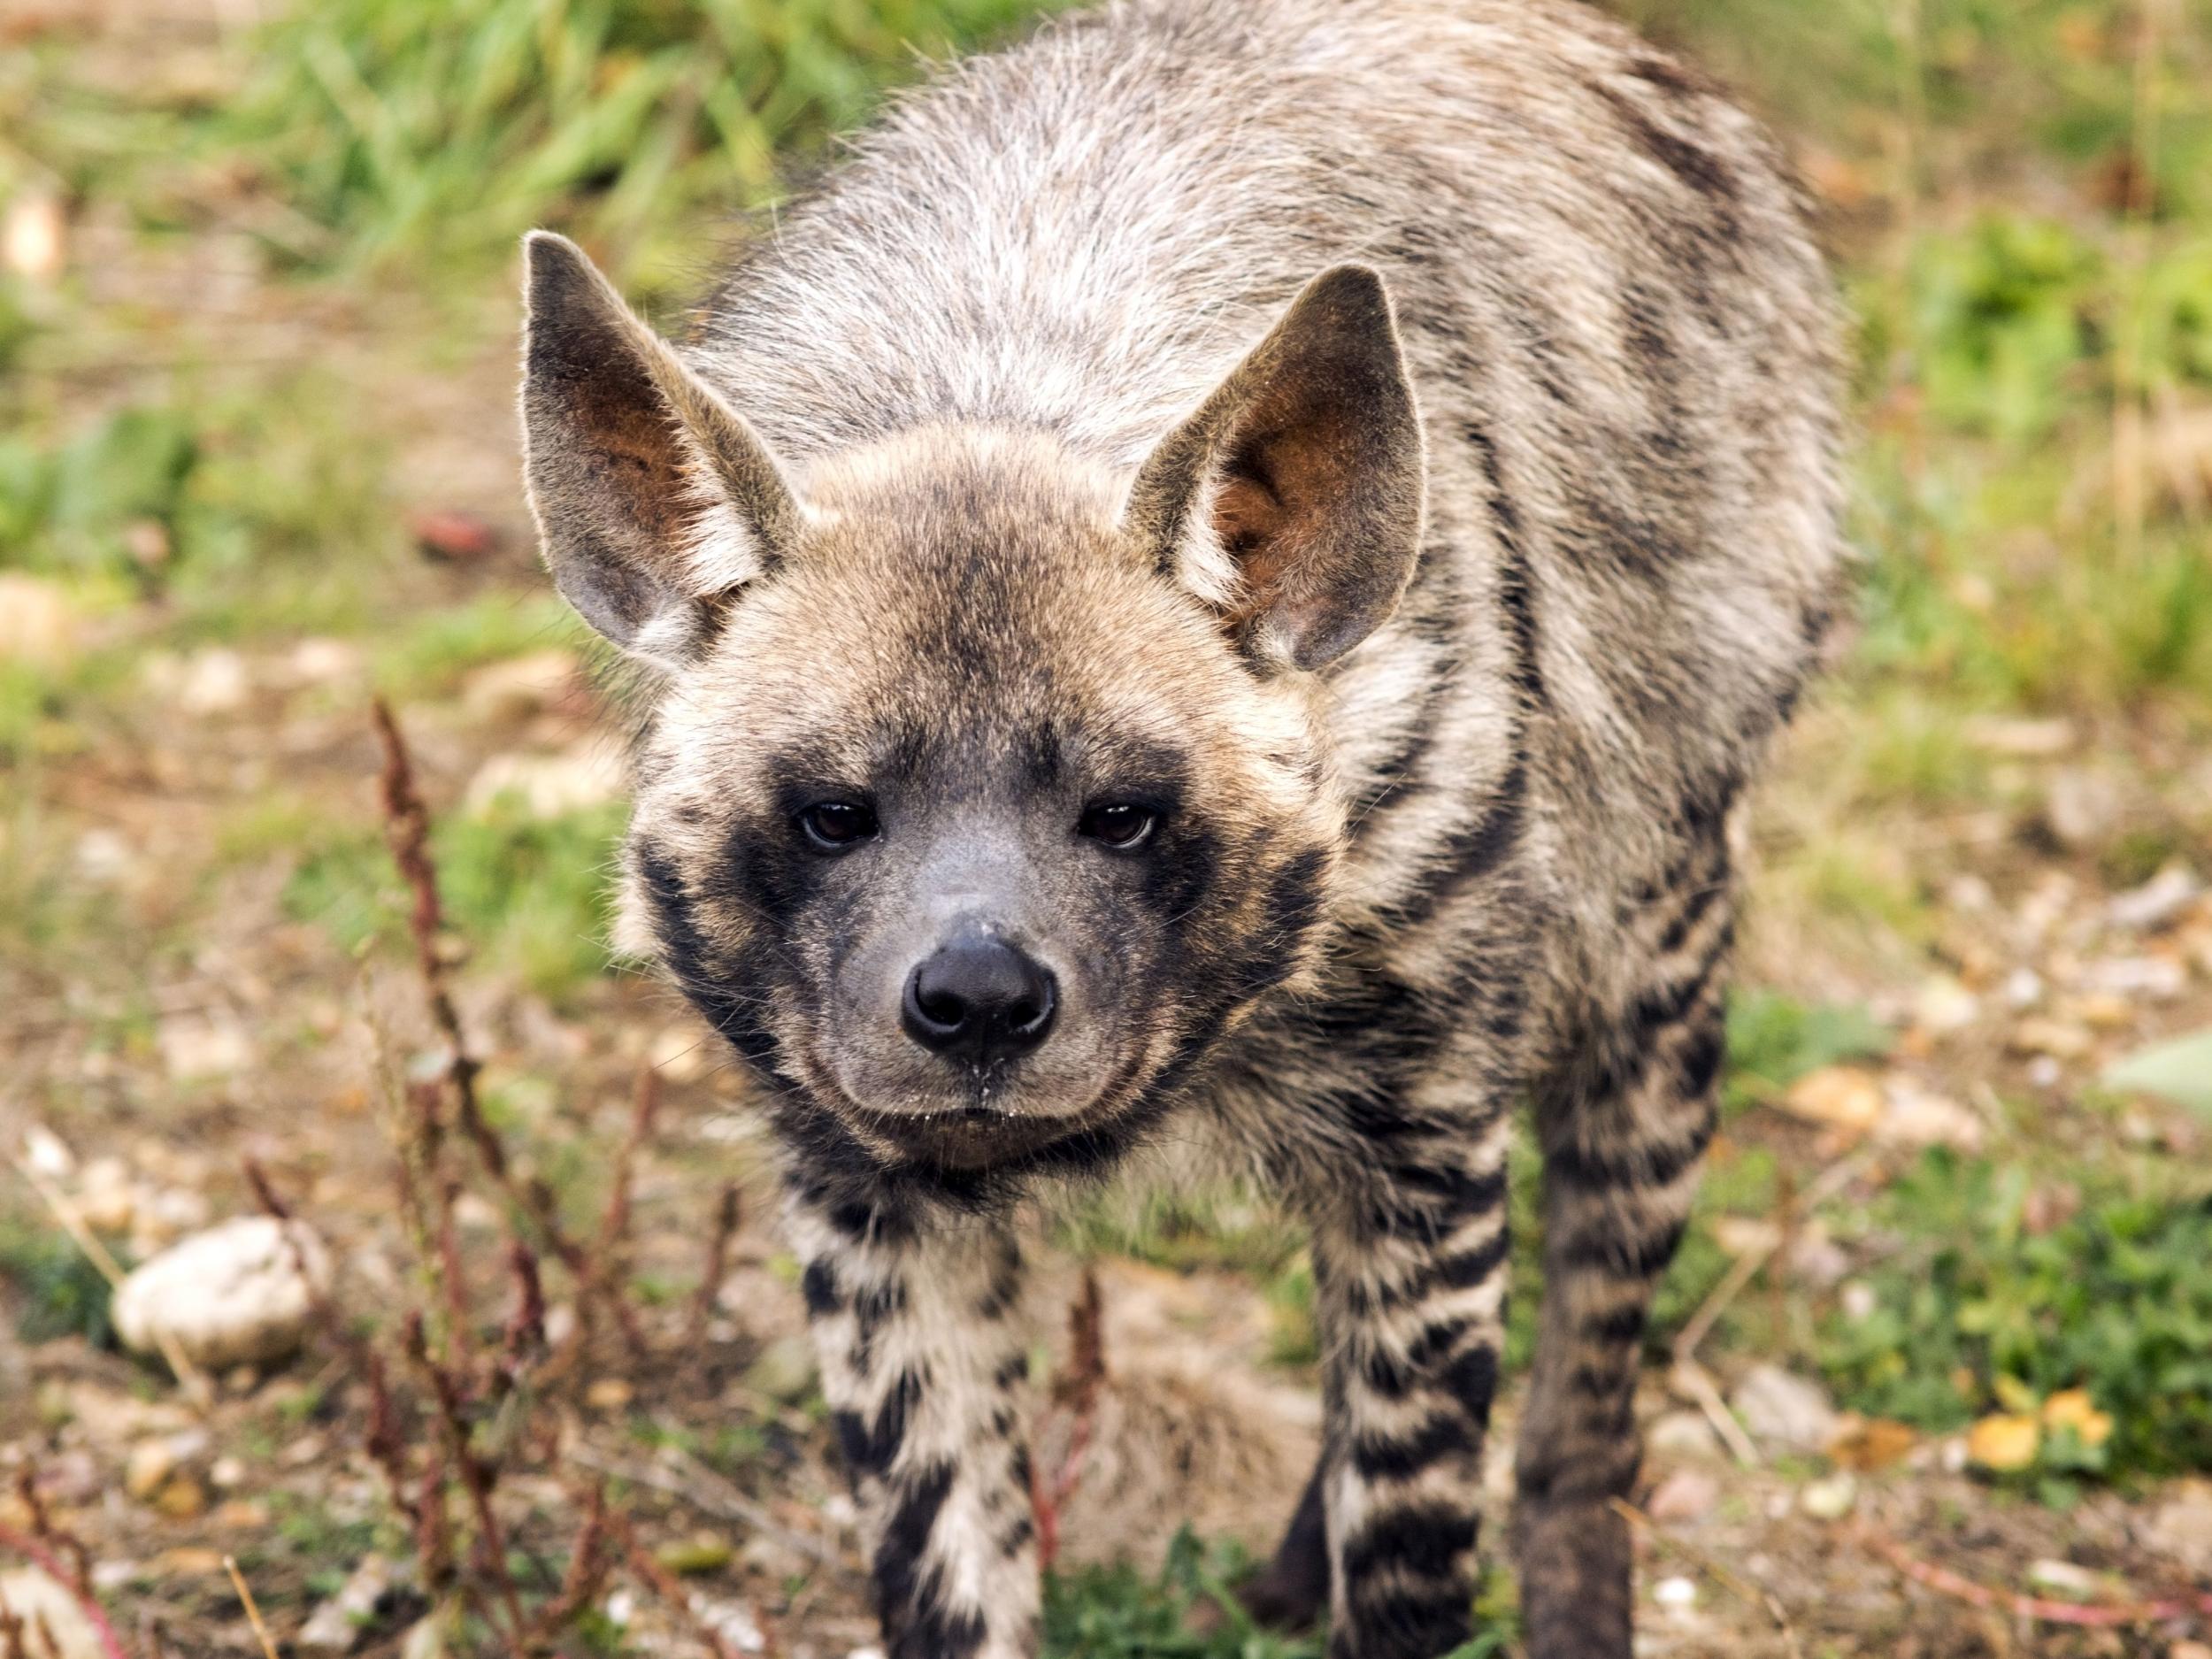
(1293, 500)
(652, 497)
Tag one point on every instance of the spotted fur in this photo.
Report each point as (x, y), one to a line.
(1393, 443)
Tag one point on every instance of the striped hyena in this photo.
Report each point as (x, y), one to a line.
(1222, 583)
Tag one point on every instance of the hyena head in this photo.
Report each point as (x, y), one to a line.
(983, 788)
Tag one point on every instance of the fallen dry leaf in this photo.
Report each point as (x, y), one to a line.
(2072, 1407)
(1841, 1096)
(2004, 1443)
(1870, 1444)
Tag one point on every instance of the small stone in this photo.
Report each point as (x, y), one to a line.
(214, 680)
(37, 1598)
(1915, 1115)
(181, 1498)
(239, 1294)
(106, 1197)
(547, 785)
(1868, 1444)
(1676, 1595)
(2157, 901)
(784, 1371)
(1682, 1434)
(735, 1622)
(609, 1394)
(1844, 1097)
(2024, 988)
(1943, 1006)
(2065, 1578)
(2081, 808)
(336, 1625)
(2180, 1528)
(1687, 1494)
(148, 1469)
(1831, 1498)
(38, 622)
(47, 1153)
(2044, 1071)
(194, 1047)
(226, 1472)
(241, 1515)
(701, 1553)
(507, 692)
(2159, 979)
(2059, 1038)
(1860, 1301)
(1779, 1406)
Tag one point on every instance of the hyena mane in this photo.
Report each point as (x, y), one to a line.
(1222, 579)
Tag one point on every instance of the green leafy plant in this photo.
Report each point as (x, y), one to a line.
(1974, 1310)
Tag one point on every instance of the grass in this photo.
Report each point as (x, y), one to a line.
(381, 155)
(1978, 1308)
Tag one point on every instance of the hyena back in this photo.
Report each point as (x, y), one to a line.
(1225, 579)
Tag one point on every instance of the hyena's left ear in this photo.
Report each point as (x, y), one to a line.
(1292, 500)
(653, 497)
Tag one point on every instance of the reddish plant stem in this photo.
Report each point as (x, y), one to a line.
(36, 1552)
(2086, 1615)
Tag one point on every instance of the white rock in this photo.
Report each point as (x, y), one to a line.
(2181, 1528)
(1682, 1434)
(237, 1295)
(1829, 1498)
(1778, 1405)
(194, 1046)
(2157, 901)
(549, 785)
(336, 1625)
(518, 687)
(1675, 1594)
(46, 1152)
(33, 1595)
(38, 623)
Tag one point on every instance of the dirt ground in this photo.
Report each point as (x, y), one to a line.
(171, 1013)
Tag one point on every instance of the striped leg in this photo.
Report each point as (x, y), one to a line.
(922, 1364)
(1412, 1291)
(1620, 1172)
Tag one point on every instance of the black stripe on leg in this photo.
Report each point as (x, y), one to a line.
(1425, 1539)
(1401, 1458)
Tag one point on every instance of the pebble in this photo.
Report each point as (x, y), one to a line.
(1779, 1406)
(2180, 1528)
(785, 1370)
(1687, 1494)
(148, 1468)
(2157, 901)
(239, 1294)
(37, 1598)
(1682, 1434)
(336, 1625)
(1829, 1498)
(1675, 1594)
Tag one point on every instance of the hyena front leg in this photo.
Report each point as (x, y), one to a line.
(1411, 1292)
(923, 1366)
(1621, 1151)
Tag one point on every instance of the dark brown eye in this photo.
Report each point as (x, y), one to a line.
(1119, 824)
(834, 826)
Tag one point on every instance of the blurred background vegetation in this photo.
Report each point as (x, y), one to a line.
(257, 334)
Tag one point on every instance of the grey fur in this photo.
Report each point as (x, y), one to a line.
(1484, 854)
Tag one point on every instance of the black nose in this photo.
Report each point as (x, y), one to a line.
(978, 999)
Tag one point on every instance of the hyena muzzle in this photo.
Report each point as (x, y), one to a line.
(1222, 583)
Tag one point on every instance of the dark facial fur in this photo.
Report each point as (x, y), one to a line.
(1392, 444)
